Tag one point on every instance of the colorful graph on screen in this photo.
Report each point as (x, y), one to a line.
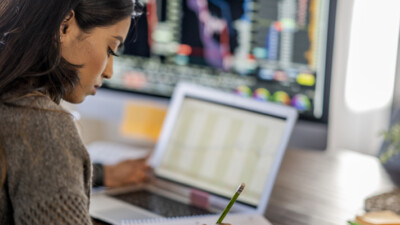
(256, 48)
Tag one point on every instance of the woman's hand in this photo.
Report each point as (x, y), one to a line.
(126, 172)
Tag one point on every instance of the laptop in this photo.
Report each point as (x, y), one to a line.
(211, 142)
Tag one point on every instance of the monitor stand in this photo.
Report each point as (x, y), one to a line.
(309, 135)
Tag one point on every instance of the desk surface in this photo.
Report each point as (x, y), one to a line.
(320, 187)
(314, 188)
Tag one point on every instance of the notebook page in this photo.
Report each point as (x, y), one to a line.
(109, 153)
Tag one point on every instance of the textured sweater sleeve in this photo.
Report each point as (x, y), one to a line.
(49, 171)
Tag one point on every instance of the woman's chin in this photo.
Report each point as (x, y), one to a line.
(74, 99)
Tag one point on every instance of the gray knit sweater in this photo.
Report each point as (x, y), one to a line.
(48, 168)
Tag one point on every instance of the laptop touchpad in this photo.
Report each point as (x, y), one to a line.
(112, 210)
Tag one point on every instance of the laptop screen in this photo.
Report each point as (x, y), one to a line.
(215, 147)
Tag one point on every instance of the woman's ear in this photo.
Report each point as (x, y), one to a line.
(67, 25)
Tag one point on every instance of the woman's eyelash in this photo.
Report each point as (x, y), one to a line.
(111, 52)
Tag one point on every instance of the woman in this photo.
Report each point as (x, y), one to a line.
(51, 50)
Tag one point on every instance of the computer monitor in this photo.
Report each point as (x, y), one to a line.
(270, 50)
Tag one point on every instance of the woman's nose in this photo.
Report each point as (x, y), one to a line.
(108, 71)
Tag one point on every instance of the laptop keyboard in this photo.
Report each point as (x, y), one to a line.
(160, 205)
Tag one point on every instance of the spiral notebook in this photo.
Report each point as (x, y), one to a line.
(211, 141)
(239, 219)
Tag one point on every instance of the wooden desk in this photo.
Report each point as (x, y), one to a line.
(315, 188)
(323, 188)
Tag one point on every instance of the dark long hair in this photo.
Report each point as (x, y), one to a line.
(30, 57)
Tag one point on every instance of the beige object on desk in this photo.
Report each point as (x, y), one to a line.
(379, 218)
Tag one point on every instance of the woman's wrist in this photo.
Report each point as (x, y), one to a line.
(98, 175)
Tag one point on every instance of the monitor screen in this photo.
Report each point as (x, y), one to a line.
(215, 147)
(270, 50)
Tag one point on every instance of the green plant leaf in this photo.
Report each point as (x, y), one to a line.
(353, 223)
(392, 136)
